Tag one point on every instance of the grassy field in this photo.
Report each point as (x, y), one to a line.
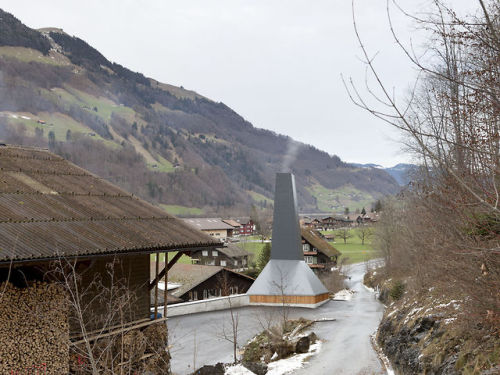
(184, 259)
(338, 199)
(253, 247)
(353, 249)
(181, 210)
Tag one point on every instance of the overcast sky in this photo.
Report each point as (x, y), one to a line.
(277, 63)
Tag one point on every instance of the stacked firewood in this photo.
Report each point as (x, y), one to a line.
(34, 332)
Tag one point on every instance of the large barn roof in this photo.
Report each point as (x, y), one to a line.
(49, 208)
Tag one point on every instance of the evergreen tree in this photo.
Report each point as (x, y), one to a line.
(363, 211)
(346, 211)
(264, 256)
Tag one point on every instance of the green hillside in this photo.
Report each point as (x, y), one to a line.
(163, 143)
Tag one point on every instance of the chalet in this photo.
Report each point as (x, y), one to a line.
(74, 249)
(229, 256)
(318, 253)
(333, 222)
(214, 227)
(202, 282)
(247, 226)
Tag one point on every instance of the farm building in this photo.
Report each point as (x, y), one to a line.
(318, 253)
(199, 282)
(229, 256)
(214, 227)
(75, 268)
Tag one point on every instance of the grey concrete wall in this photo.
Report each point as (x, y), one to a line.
(211, 304)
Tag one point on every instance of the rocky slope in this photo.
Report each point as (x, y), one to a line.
(428, 333)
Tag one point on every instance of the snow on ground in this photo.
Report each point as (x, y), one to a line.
(368, 288)
(238, 370)
(343, 295)
(280, 367)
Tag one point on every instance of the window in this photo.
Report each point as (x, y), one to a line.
(204, 253)
(217, 234)
(195, 295)
(244, 261)
(205, 294)
(223, 263)
(308, 259)
(215, 253)
(305, 247)
(235, 262)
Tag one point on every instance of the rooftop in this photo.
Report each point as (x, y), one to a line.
(49, 207)
(207, 223)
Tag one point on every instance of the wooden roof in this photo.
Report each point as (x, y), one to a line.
(49, 207)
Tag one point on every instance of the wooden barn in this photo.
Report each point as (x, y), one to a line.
(199, 282)
(229, 256)
(75, 266)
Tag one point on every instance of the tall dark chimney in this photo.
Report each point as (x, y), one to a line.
(286, 230)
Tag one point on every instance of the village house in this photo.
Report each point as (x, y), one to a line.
(247, 226)
(214, 227)
(75, 263)
(230, 256)
(198, 282)
(318, 253)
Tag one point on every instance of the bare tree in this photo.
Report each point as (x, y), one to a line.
(344, 233)
(444, 229)
(364, 233)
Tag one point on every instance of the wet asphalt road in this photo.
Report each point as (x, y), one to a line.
(198, 339)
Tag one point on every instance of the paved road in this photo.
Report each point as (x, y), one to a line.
(197, 339)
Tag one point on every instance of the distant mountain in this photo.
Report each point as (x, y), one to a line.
(166, 144)
(400, 172)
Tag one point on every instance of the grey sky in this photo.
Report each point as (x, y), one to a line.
(276, 63)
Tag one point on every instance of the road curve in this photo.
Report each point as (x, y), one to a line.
(197, 339)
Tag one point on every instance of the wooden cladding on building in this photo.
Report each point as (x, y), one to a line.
(294, 300)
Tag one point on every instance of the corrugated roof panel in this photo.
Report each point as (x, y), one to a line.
(49, 207)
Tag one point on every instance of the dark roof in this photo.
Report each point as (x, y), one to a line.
(242, 220)
(192, 275)
(49, 207)
(233, 251)
(314, 238)
(207, 223)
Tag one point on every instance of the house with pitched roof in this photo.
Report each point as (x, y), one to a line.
(214, 227)
(318, 253)
(198, 282)
(229, 256)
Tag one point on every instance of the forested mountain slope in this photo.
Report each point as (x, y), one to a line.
(164, 143)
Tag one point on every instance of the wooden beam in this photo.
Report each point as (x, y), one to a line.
(166, 269)
(165, 292)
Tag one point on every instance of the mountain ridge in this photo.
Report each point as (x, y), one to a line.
(162, 142)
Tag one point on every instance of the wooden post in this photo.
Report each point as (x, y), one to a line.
(156, 284)
(165, 279)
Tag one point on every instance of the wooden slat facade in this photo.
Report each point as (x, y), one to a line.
(302, 300)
